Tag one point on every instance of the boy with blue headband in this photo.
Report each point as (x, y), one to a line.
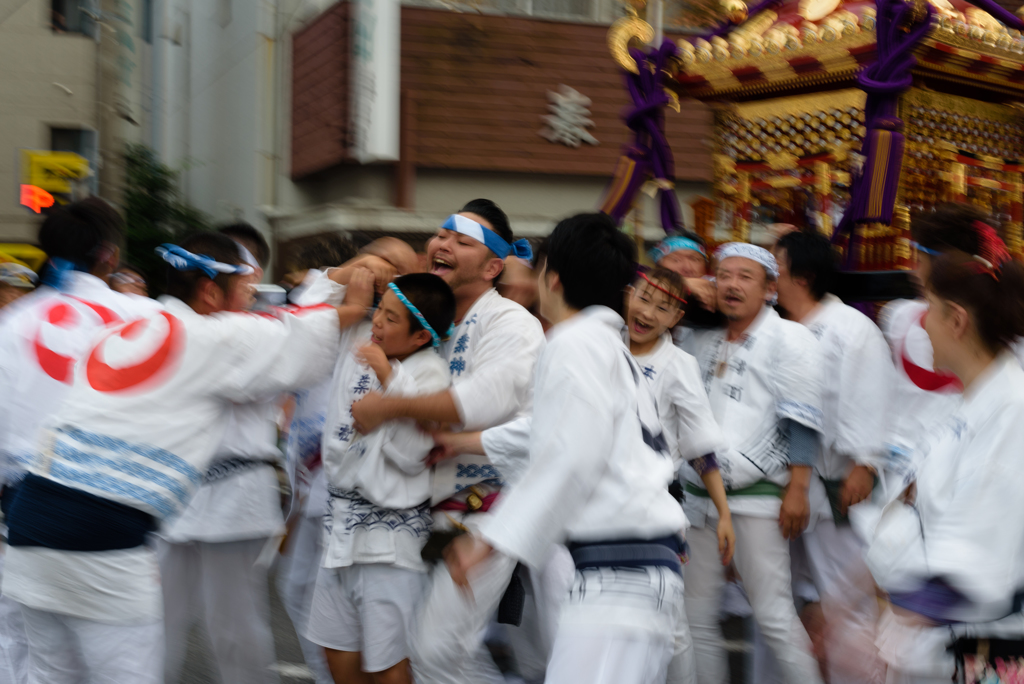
(491, 358)
(372, 575)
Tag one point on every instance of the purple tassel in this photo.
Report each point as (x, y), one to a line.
(873, 195)
(883, 147)
(650, 154)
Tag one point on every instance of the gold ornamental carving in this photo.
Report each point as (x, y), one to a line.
(780, 182)
(622, 33)
(781, 161)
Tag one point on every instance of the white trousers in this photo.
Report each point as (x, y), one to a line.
(13, 640)
(762, 559)
(296, 579)
(447, 644)
(546, 592)
(224, 581)
(70, 650)
(836, 556)
(618, 627)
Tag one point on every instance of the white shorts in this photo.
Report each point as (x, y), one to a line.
(367, 609)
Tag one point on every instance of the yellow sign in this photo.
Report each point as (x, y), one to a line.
(52, 171)
(27, 255)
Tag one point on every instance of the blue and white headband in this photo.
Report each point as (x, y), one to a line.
(420, 317)
(752, 252)
(674, 244)
(494, 242)
(184, 260)
(929, 252)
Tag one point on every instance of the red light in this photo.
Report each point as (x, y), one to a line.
(35, 198)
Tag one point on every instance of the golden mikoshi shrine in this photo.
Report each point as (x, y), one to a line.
(789, 119)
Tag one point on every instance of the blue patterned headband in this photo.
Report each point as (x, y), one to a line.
(674, 244)
(420, 317)
(494, 242)
(184, 260)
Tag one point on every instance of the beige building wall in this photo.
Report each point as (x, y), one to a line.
(47, 80)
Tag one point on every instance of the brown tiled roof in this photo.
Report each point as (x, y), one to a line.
(480, 86)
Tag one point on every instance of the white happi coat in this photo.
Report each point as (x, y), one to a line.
(141, 424)
(967, 521)
(773, 372)
(243, 504)
(591, 477)
(42, 336)
(383, 516)
(858, 379)
(920, 396)
(491, 358)
(689, 427)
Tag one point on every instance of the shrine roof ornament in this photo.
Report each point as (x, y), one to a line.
(776, 45)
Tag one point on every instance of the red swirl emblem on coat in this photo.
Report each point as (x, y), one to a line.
(142, 351)
(58, 366)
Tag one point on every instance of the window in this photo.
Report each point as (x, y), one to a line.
(81, 141)
(146, 21)
(73, 16)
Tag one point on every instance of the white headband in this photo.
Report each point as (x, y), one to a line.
(752, 252)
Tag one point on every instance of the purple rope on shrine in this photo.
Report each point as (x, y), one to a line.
(873, 195)
(999, 12)
(649, 155)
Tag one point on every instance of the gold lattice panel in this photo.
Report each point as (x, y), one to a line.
(969, 125)
(802, 125)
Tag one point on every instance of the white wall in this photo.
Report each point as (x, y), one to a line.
(215, 111)
(32, 60)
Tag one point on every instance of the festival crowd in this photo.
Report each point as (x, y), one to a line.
(596, 460)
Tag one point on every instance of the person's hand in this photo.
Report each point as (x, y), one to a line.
(451, 444)
(360, 288)
(373, 356)
(795, 512)
(909, 495)
(726, 539)
(704, 291)
(383, 271)
(463, 554)
(368, 412)
(857, 487)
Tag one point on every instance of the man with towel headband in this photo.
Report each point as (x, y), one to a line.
(763, 377)
(491, 357)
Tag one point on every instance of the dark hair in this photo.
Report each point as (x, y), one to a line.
(540, 253)
(129, 266)
(811, 257)
(325, 251)
(251, 238)
(434, 299)
(670, 280)
(217, 246)
(948, 228)
(595, 262)
(78, 232)
(494, 215)
(996, 306)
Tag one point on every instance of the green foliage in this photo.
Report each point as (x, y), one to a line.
(154, 212)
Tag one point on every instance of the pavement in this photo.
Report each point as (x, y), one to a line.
(200, 669)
